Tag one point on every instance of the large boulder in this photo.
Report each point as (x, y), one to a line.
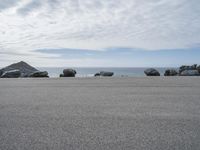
(170, 72)
(69, 72)
(151, 72)
(190, 73)
(11, 74)
(23, 67)
(183, 68)
(39, 74)
(106, 74)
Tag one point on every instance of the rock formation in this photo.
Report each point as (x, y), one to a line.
(21, 69)
(190, 73)
(39, 74)
(151, 72)
(69, 73)
(170, 72)
(11, 74)
(106, 74)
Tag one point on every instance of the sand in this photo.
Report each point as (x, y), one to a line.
(144, 113)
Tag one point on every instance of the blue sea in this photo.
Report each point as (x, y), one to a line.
(89, 72)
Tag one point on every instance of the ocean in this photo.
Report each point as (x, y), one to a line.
(89, 72)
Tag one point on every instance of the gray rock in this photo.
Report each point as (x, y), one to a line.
(183, 68)
(170, 72)
(39, 74)
(198, 68)
(151, 72)
(69, 72)
(97, 75)
(194, 66)
(106, 74)
(61, 75)
(23, 67)
(190, 73)
(11, 74)
(1, 72)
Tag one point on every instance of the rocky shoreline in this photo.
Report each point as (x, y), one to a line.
(193, 70)
(24, 70)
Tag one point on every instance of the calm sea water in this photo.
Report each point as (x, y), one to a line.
(89, 72)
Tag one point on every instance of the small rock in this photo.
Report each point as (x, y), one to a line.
(106, 74)
(1, 72)
(198, 68)
(11, 74)
(61, 75)
(190, 73)
(97, 74)
(194, 67)
(39, 74)
(170, 72)
(69, 72)
(151, 72)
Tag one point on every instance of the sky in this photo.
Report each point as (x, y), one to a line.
(100, 33)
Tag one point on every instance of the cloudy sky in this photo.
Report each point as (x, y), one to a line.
(129, 33)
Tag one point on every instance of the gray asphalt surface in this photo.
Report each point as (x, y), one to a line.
(100, 114)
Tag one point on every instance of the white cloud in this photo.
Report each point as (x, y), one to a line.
(27, 25)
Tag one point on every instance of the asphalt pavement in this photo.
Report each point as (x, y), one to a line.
(141, 113)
